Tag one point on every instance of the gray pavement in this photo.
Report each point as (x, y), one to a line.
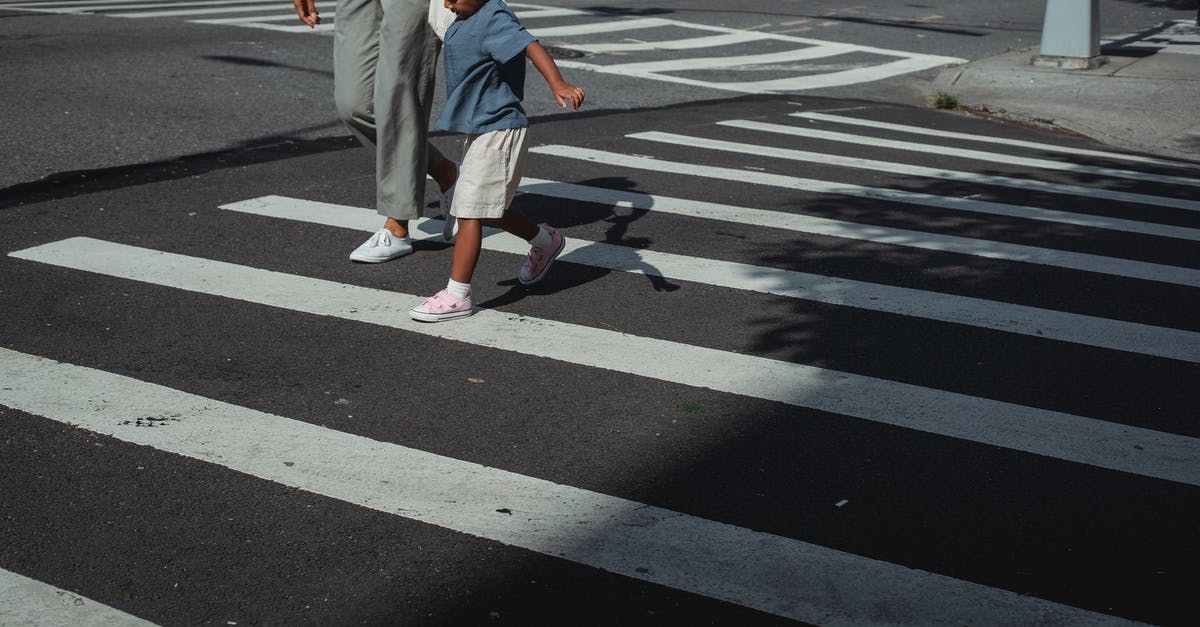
(1145, 98)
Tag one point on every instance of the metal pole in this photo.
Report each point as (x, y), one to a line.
(1071, 35)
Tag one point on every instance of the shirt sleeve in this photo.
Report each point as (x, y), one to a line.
(506, 37)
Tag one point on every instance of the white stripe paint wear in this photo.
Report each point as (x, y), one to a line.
(1055, 434)
(615, 159)
(25, 601)
(944, 134)
(993, 315)
(766, 572)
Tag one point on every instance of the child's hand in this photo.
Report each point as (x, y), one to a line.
(568, 93)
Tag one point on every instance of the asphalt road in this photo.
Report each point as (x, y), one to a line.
(801, 366)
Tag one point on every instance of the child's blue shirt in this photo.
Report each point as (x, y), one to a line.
(485, 71)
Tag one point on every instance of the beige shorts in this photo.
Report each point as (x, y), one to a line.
(489, 173)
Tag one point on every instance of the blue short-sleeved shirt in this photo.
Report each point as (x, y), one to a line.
(485, 71)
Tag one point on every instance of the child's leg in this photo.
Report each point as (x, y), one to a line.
(455, 301)
(516, 223)
(545, 244)
(466, 249)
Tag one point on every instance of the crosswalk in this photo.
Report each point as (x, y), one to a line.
(1176, 36)
(644, 47)
(1069, 204)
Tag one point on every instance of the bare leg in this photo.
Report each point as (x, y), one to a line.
(445, 174)
(466, 249)
(516, 223)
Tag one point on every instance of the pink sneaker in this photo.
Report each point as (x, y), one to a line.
(538, 261)
(441, 307)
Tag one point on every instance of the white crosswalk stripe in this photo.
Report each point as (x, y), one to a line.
(783, 576)
(1024, 428)
(918, 199)
(1045, 164)
(757, 570)
(25, 601)
(912, 170)
(578, 36)
(1005, 141)
(1114, 334)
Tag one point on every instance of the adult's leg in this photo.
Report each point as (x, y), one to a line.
(404, 83)
(355, 54)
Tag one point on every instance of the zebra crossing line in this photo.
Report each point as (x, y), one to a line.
(1178, 36)
(28, 601)
(907, 169)
(917, 199)
(1005, 141)
(1031, 321)
(1064, 436)
(1044, 164)
(762, 571)
(577, 35)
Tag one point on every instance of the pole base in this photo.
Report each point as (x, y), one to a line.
(1069, 63)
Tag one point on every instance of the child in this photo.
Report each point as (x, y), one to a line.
(484, 53)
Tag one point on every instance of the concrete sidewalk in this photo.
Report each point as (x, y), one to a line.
(1145, 98)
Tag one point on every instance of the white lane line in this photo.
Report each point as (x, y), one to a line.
(80, 7)
(933, 132)
(709, 41)
(260, 19)
(784, 38)
(263, 23)
(264, 8)
(1041, 323)
(975, 247)
(912, 170)
(614, 159)
(609, 26)
(709, 63)
(531, 13)
(792, 84)
(1041, 432)
(25, 601)
(979, 155)
(766, 572)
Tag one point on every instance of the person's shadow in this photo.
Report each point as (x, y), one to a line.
(552, 204)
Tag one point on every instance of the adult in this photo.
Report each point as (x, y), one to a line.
(384, 64)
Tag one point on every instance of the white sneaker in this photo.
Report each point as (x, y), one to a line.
(383, 246)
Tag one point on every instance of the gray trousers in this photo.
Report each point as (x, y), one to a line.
(384, 65)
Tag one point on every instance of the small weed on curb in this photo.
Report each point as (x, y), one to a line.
(943, 100)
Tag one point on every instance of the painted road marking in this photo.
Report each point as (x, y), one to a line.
(1099, 443)
(658, 70)
(691, 43)
(78, 6)
(611, 159)
(25, 601)
(914, 170)
(933, 132)
(978, 155)
(986, 314)
(810, 224)
(915, 63)
(767, 572)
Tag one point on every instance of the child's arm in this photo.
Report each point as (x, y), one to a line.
(564, 92)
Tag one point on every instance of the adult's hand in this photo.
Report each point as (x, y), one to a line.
(307, 10)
